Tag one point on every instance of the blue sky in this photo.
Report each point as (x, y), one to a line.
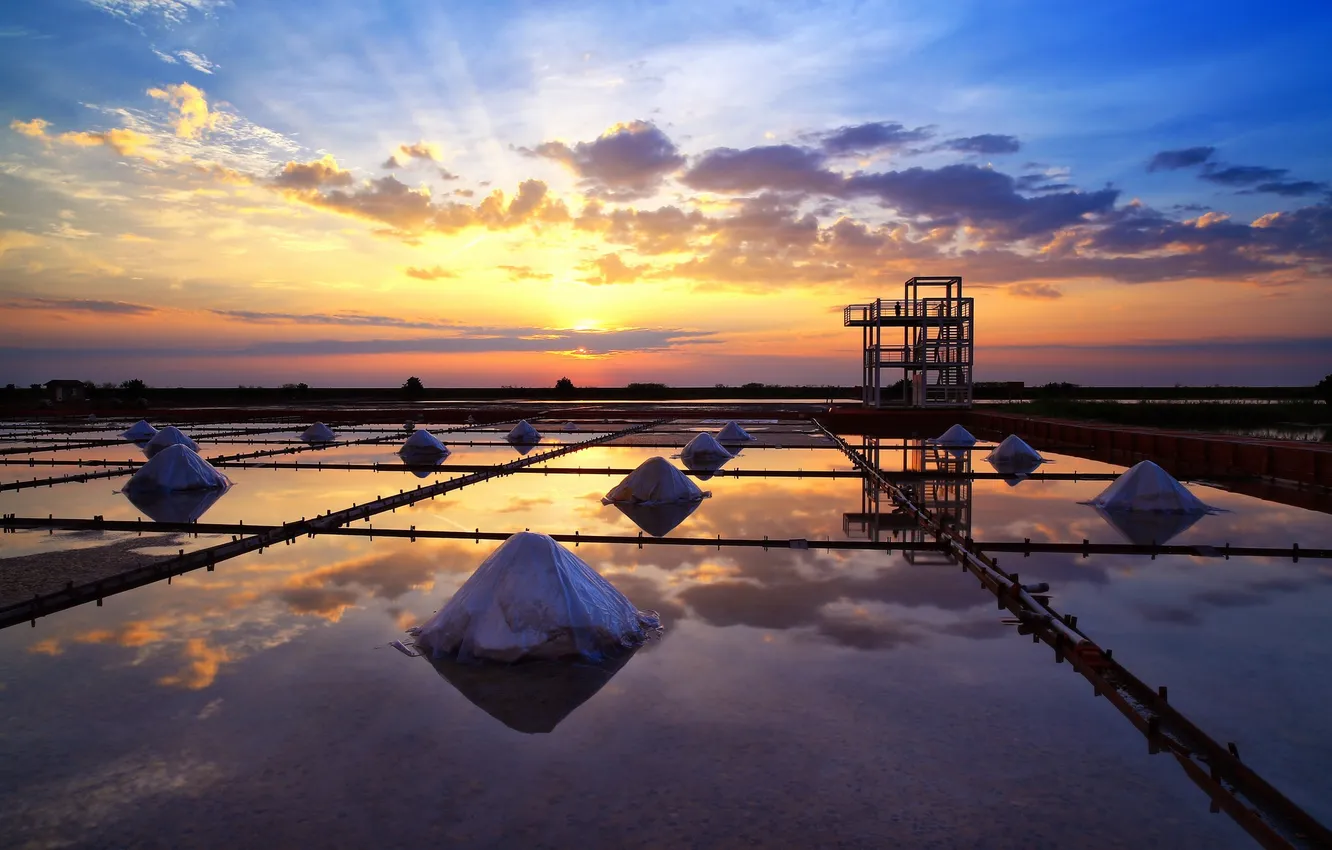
(1163, 162)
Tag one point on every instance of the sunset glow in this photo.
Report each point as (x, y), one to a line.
(344, 193)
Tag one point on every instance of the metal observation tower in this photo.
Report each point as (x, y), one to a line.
(934, 353)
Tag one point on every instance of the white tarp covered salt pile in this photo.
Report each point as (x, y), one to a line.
(139, 432)
(176, 485)
(704, 455)
(1015, 458)
(523, 434)
(570, 426)
(955, 437)
(731, 433)
(1147, 506)
(530, 599)
(318, 433)
(655, 482)
(423, 443)
(167, 437)
(656, 496)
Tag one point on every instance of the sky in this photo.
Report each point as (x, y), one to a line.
(346, 193)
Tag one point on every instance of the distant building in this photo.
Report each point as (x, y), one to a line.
(66, 390)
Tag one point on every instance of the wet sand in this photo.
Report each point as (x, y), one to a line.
(24, 576)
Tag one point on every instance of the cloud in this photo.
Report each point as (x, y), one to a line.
(865, 139)
(779, 168)
(391, 163)
(170, 12)
(123, 141)
(11, 240)
(979, 197)
(432, 273)
(193, 116)
(65, 305)
(609, 268)
(1035, 290)
(525, 273)
(445, 174)
(197, 61)
(313, 175)
(421, 150)
(35, 128)
(1241, 175)
(201, 667)
(627, 161)
(984, 144)
(1293, 188)
(341, 319)
(1182, 158)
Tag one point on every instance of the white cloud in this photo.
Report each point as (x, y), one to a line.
(170, 11)
(165, 57)
(197, 61)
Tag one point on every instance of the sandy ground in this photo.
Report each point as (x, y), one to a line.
(23, 576)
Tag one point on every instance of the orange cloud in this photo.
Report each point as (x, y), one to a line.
(122, 141)
(192, 114)
(36, 128)
(50, 646)
(202, 667)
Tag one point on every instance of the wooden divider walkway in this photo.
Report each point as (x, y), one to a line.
(40, 606)
(1259, 808)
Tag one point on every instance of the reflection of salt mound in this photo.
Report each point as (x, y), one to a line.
(523, 432)
(423, 466)
(533, 598)
(1148, 487)
(174, 506)
(533, 697)
(733, 433)
(955, 436)
(176, 468)
(655, 482)
(704, 448)
(570, 426)
(658, 520)
(423, 443)
(1149, 528)
(409, 426)
(317, 433)
(167, 437)
(139, 432)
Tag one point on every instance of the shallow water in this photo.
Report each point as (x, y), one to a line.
(797, 698)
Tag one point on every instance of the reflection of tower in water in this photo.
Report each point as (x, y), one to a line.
(935, 479)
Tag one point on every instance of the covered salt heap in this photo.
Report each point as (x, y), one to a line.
(139, 432)
(167, 437)
(1015, 459)
(955, 437)
(733, 433)
(703, 455)
(534, 599)
(318, 433)
(1147, 506)
(523, 434)
(422, 444)
(656, 496)
(176, 485)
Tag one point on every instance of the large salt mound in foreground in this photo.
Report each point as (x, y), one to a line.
(176, 468)
(1148, 487)
(423, 443)
(533, 598)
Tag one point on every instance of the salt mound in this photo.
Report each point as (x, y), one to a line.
(1148, 487)
(704, 448)
(733, 433)
(423, 443)
(570, 426)
(533, 598)
(175, 468)
(523, 432)
(1014, 452)
(167, 437)
(139, 432)
(955, 436)
(655, 482)
(318, 433)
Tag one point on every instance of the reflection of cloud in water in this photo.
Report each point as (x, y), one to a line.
(658, 520)
(329, 591)
(174, 505)
(532, 696)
